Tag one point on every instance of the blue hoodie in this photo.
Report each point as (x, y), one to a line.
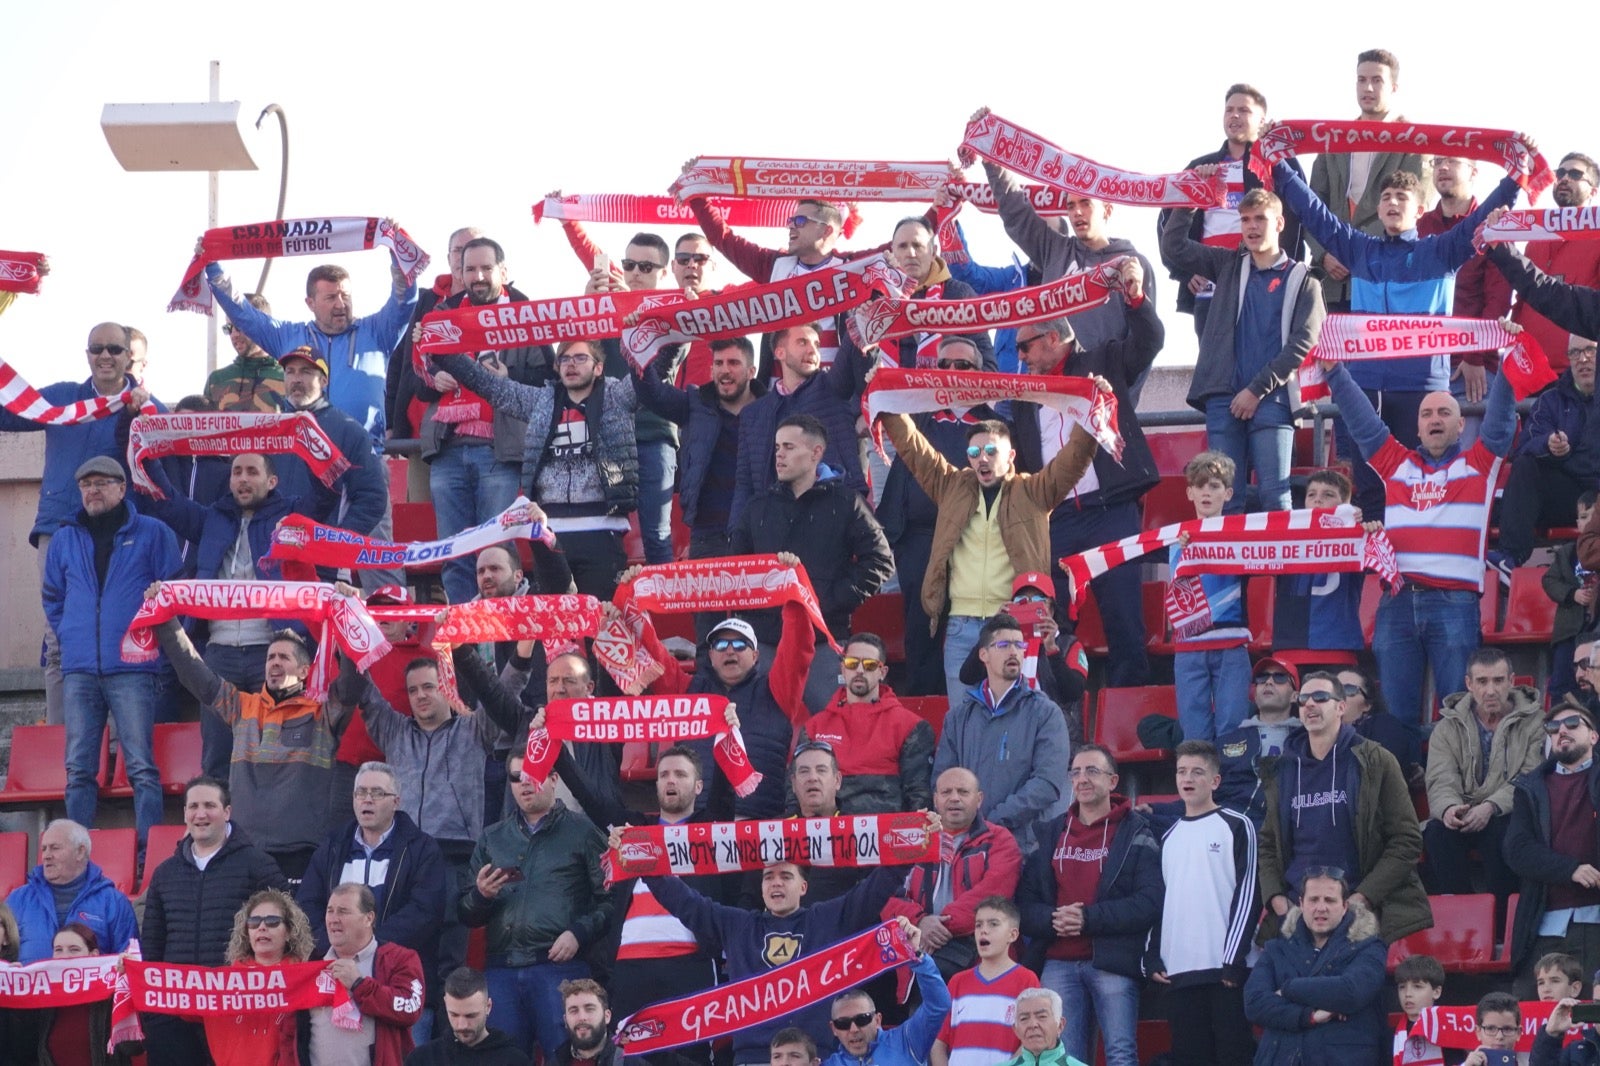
(97, 905)
(1317, 799)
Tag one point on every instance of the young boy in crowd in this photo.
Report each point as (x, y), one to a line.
(1572, 588)
(1499, 1028)
(1558, 976)
(1211, 669)
(1319, 611)
(1420, 981)
(978, 1032)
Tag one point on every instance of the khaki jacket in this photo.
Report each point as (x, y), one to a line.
(1454, 753)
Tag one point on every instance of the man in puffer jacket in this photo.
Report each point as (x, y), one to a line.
(1316, 990)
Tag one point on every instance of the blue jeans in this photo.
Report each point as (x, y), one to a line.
(1436, 626)
(960, 637)
(468, 486)
(658, 471)
(1213, 689)
(130, 698)
(1093, 999)
(1263, 444)
(527, 1003)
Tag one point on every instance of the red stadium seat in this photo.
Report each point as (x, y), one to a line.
(1091, 628)
(1116, 720)
(161, 846)
(177, 754)
(884, 615)
(1511, 923)
(1153, 602)
(1371, 593)
(399, 488)
(38, 773)
(1168, 502)
(1462, 937)
(674, 624)
(930, 709)
(414, 522)
(115, 851)
(13, 861)
(1173, 448)
(1530, 614)
(638, 761)
(1489, 607)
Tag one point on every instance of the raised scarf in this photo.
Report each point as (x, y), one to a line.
(290, 237)
(522, 323)
(654, 719)
(815, 977)
(657, 210)
(1550, 224)
(228, 434)
(1324, 137)
(1025, 152)
(825, 179)
(1399, 336)
(1047, 201)
(728, 583)
(19, 271)
(697, 848)
(25, 401)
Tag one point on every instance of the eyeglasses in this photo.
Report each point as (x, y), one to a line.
(1031, 597)
(1499, 1030)
(1582, 664)
(854, 1021)
(1571, 723)
(1574, 354)
(1331, 873)
(735, 643)
(227, 327)
(1574, 173)
(1012, 645)
(1024, 345)
(642, 265)
(1356, 690)
(1315, 697)
(683, 259)
(850, 662)
(270, 921)
(98, 483)
(114, 349)
(991, 450)
(796, 221)
(573, 359)
(1277, 677)
(1091, 772)
(373, 794)
(955, 364)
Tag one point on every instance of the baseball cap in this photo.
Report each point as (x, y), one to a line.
(397, 595)
(309, 354)
(1034, 579)
(100, 466)
(736, 625)
(1288, 668)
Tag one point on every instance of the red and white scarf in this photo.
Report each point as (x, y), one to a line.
(653, 719)
(894, 390)
(699, 848)
(520, 323)
(291, 237)
(19, 271)
(729, 583)
(830, 180)
(53, 983)
(303, 544)
(229, 434)
(1456, 1027)
(796, 301)
(1025, 152)
(315, 605)
(1266, 542)
(1067, 295)
(1324, 137)
(1401, 336)
(658, 210)
(815, 977)
(25, 401)
(1550, 224)
(219, 991)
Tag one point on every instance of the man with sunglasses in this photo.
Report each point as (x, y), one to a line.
(1486, 737)
(68, 447)
(909, 517)
(1575, 263)
(863, 1041)
(1551, 842)
(251, 383)
(1336, 800)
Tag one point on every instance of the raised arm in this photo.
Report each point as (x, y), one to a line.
(1348, 245)
(747, 257)
(1499, 417)
(220, 697)
(1359, 417)
(1574, 308)
(930, 468)
(503, 394)
(1036, 237)
(275, 337)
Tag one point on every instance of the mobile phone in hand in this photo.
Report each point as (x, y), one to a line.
(511, 873)
(1586, 1012)
(1500, 1058)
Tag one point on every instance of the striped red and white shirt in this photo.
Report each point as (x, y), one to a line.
(649, 932)
(1437, 517)
(978, 1029)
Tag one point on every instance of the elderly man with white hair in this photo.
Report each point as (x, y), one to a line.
(66, 886)
(1038, 1024)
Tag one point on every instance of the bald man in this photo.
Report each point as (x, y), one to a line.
(1438, 497)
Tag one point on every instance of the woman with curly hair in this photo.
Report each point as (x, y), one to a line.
(269, 929)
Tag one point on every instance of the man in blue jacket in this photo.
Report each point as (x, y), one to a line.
(862, 1038)
(67, 887)
(66, 448)
(96, 570)
(357, 348)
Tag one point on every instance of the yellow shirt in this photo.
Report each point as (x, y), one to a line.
(980, 568)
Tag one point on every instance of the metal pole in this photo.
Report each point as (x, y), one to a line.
(283, 180)
(211, 219)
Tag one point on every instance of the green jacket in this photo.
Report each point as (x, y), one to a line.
(1454, 753)
(1388, 845)
(562, 887)
(1056, 1056)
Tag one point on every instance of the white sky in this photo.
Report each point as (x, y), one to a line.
(445, 116)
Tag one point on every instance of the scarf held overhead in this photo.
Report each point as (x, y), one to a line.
(1323, 137)
(26, 402)
(825, 179)
(291, 237)
(224, 433)
(663, 719)
(697, 848)
(303, 544)
(814, 977)
(1550, 224)
(654, 210)
(19, 271)
(729, 583)
(1025, 152)
(1359, 337)
(522, 323)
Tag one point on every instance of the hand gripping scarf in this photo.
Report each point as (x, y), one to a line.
(218, 991)
(656, 210)
(19, 271)
(227, 434)
(1399, 336)
(1323, 137)
(825, 179)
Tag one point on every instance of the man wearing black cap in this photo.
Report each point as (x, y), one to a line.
(359, 499)
(1551, 842)
(95, 573)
